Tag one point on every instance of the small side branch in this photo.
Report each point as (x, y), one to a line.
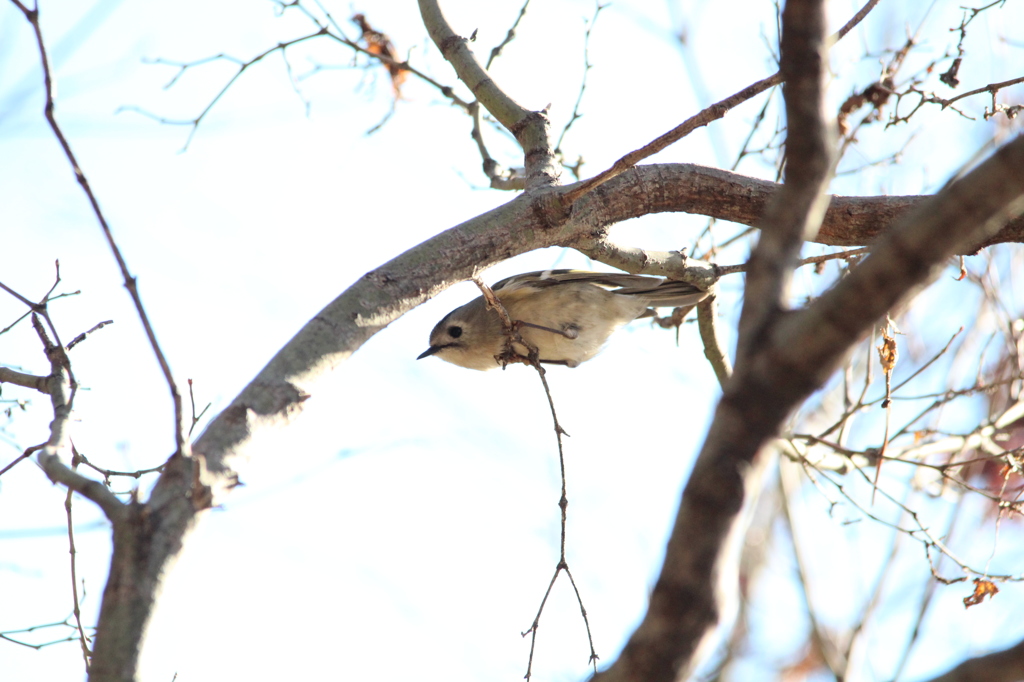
(81, 337)
(714, 351)
(10, 376)
(509, 37)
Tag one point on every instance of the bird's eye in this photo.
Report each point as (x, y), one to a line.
(454, 331)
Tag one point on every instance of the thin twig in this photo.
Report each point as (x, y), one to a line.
(533, 359)
(25, 455)
(77, 610)
(509, 37)
(81, 337)
(6, 635)
(242, 66)
(192, 399)
(586, 70)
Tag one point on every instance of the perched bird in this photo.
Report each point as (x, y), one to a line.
(566, 314)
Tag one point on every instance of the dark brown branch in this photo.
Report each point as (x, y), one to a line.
(1001, 666)
(699, 576)
(667, 188)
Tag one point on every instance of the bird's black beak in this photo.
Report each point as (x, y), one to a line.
(428, 352)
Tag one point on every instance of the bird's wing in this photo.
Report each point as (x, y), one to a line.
(658, 291)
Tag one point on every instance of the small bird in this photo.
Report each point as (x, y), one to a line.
(567, 315)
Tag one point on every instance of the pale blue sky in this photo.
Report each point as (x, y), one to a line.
(406, 526)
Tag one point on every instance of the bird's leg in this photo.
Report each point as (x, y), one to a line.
(570, 332)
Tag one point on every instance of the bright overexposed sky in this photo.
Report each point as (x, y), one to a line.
(406, 525)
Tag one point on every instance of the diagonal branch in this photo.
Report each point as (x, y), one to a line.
(699, 577)
(796, 212)
(529, 127)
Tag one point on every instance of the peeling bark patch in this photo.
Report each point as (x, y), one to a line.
(450, 43)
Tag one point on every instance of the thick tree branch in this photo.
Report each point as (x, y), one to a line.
(699, 577)
(796, 212)
(152, 533)
(699, 190)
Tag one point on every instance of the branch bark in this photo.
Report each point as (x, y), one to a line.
(699, 577)
(688, 188)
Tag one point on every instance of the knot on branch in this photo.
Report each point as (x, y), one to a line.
(550, 210)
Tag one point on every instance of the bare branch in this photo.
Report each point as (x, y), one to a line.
(10, 376)
(81, 337)
(76, 607)
(714, 351)
(529, 127)
(583, 81)
(514, 339)
(723, 270)
(796, 212)
(32, 16)
(242, 66)
(509, 37)
(672, 264)
(699, 572)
